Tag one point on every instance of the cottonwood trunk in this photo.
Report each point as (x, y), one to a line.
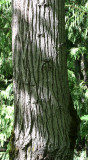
(44, 126)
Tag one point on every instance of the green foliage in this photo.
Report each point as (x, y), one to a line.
(84, 129)
(6, 113)
(6, 2)
(77, 22)
(84, 126)
(84, 118)
(77, 51)
(4, 156)
(80, 155)
(6, 87)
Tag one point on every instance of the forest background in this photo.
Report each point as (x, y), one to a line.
(76, 25)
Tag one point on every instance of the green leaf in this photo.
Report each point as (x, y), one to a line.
(84, 118)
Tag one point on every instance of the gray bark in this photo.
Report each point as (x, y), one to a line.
(43, 119)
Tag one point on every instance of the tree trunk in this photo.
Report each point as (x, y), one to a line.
(44, 127)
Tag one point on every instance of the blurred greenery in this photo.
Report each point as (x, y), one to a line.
(6, 86)
(76, 19)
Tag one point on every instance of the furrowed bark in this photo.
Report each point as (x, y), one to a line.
(43, 119)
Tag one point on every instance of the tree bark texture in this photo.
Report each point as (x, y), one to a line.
(43, 108)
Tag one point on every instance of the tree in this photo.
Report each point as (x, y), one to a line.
(45, 122)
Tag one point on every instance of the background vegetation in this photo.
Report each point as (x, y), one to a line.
(76, 18)
(6, 87)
